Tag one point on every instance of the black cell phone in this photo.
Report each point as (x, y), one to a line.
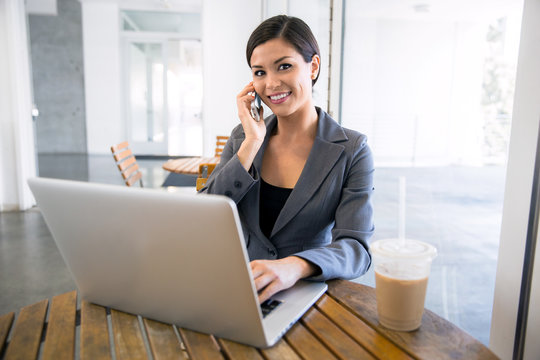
(256, 108)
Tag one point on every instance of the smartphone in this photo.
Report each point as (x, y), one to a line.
(256, 107)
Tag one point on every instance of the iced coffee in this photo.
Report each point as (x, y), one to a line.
(401, 276)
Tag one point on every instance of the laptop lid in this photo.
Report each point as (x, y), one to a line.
(177, 258)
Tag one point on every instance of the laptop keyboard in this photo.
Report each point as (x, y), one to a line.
(268, 306)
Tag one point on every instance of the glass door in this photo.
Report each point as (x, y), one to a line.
(163, 95)
(146, 90)
(162, 83)
(184, 97)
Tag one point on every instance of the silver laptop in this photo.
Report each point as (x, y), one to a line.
(177, 258)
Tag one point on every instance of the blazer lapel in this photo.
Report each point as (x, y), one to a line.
(323, 156)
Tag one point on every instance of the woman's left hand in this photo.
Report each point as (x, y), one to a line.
(272, 276)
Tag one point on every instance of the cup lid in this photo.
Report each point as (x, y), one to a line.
(408, 249)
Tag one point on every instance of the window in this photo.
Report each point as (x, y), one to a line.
(431, 85)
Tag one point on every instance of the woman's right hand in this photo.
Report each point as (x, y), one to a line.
(254, 130)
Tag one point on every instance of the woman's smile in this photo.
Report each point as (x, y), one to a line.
(279, 98)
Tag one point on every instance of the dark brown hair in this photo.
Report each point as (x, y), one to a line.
(291, 29)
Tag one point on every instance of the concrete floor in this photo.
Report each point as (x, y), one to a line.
(457, 209)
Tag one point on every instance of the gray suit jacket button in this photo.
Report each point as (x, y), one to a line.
(237, 184)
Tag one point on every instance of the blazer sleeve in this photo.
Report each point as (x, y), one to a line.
(229, 178)
(347, 256)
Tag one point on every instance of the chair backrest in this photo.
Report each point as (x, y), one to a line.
(204, 172)
(127, 164)
(220, 143)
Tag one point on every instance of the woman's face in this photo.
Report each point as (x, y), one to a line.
(281, 77)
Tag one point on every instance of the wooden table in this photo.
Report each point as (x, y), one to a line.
(343, 324)
(188, 165)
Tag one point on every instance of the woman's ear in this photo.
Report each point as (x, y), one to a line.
(315, 66)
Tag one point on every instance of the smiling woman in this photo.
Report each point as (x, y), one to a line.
(302, 183)
(280, 72)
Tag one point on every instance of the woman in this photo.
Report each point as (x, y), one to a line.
(301, 182)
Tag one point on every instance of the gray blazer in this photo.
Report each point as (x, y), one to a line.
(328, 217)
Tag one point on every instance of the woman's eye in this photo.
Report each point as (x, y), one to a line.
(284, 66)
(258, 73)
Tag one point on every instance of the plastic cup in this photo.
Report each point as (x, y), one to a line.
(402, 269)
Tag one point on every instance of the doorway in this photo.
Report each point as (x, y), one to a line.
(162, 85)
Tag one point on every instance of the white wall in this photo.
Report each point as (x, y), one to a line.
(7, 161)
(517, 198)
(317, 15)
(226, 28)
(102, 76)
(17, 156)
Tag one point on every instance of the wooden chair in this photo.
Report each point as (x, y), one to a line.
(204, 172)
(220, 143)
(127, 164)
(206, 169)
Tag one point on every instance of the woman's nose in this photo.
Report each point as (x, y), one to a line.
(272, 81)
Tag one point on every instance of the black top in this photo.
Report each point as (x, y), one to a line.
(272, 200)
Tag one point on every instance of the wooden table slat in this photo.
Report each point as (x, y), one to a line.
(26, 335)
(364, 334)
(306, 344)
(333, 337)
(163, 341)
(200, 346)
(188, 165)
(94, 332)
(436, 338)
(238, 351)
(60, 341)
(280, 351)
(128, 339)
(5, 324)
(185, 165)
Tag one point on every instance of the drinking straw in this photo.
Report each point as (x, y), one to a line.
(402, 210)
